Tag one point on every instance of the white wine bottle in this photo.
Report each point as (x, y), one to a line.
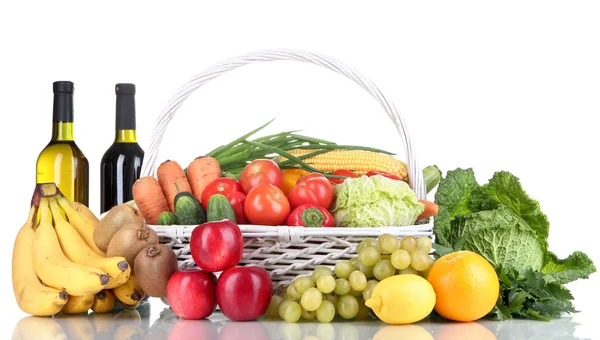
(121, 164)
(62, 162)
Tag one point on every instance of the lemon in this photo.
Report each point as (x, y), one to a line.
(402, 299)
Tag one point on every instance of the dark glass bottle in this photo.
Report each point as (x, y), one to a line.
(122, 162)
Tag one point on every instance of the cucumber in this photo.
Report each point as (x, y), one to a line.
(188, 209)
(219, 209)
(167, 218)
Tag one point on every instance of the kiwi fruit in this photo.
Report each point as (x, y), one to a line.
(130, 240)
(154, 265)
(116, 218)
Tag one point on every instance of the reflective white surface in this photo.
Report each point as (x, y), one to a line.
(156, 321)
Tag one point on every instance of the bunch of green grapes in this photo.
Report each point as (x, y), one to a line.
(344, 290)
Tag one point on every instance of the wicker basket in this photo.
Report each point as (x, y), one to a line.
(287, 252)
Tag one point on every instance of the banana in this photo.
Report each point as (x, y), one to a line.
(54, 268)
(104, 301)
(84, 226)
(78, 304)
(84, 211)
(76, 326)
(31, 327)
(76, 250)
(32, 296)
(128, 331)
(130, 293)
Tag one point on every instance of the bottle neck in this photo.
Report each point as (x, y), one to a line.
(125, 112)
(125, 136)
(62, 131)
(62, 110)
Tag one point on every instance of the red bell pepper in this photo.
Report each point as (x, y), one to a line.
(310, 215)
(342, 172)
(312, 189)
(384, 174)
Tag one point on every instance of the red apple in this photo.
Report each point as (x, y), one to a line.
(244, 293)
(192, 294)
(216, 246)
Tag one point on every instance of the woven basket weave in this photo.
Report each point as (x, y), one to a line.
(287, 252)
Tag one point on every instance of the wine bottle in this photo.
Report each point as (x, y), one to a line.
(61, 161)
(122, 163)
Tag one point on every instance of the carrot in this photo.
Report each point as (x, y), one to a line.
(201, 172)
(431, 209)
(149, 198)
(172, 180)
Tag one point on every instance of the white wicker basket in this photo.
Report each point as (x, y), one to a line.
(287, 252)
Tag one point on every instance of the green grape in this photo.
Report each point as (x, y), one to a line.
(366, 293)
(383, 269)
(273, 309)
(364, 312)
(320, 270)
(347, 306)
(354, 262)
(342, 286)
(311, 299)
(368, 271)
(386, 256)
(369, 256)
(409, 270)
(419, 260)
(281, 306)
(425, 272)
(424, 244)
(291, 311)
(331, 298)
(388, 243)
(358, 280)
(326, 284)
(303, 283)
(307, 314)
(409, 243)
(355, 293)
(326, 311)
(400, 259)
(343, 269)
(368, 242)
(292, 293)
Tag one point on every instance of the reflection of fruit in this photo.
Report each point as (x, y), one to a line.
(76, 326)
(128, 331)
(466, 286)
(104, 301)
(198, 329)
(103, 324)
(131, 316)
(244, 293)
(32, 296)
(402, 299)
(241, 330)
(192, 294)
(403, 332)
(463, 331)
(32, 327)
(78, 304)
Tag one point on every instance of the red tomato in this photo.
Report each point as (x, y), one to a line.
(384, 174)
(346, 173)
(237, 199)
(261, 171)
(266, 204)
(312, 189)
(223, 186)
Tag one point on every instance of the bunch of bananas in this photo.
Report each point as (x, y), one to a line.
(57, 267)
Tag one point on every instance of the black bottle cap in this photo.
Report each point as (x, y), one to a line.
(125, 88)
(63, 87)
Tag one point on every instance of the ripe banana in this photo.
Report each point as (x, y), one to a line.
(78, 304)
(54, 268)
(84, 211)
(84, 226)
(32, 296)
(130, 293)
(128, 331)
(76, 250)
(32, 327)
(104, 301)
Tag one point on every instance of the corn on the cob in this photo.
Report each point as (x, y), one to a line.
(358, 161)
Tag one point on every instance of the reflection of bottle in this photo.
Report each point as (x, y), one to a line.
(122, 163)
(62, 162)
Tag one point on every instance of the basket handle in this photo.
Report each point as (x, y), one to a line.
(150, 160)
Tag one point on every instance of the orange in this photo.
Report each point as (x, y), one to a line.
(466, 286)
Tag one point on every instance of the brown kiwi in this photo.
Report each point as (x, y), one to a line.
(130, 240)
(154, 265)
(116, 218)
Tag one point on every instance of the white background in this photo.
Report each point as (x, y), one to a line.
(509, 86)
